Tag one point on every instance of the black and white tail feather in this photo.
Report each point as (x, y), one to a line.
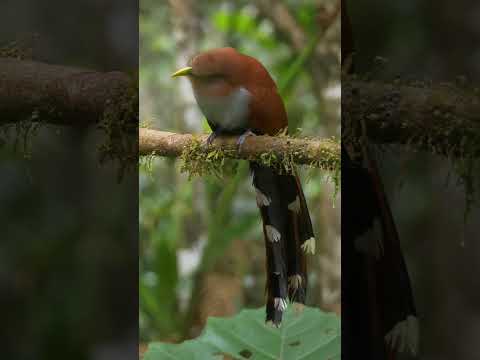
(379, 317)
(288, 238)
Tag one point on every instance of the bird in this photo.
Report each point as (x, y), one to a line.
(238, 96)
(379, 317)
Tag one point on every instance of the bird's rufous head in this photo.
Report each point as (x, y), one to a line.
(225, 64)
(235, 90)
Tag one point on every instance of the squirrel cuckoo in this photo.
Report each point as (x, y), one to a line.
(378, 310)
(238, 97)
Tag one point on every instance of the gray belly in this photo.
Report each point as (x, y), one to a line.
(229, 113)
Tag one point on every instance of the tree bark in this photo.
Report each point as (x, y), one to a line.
(440, 118)
(59, 94)
(323, 153)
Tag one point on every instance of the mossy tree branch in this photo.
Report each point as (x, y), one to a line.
(31, 90)
(439, 118)
(322, 153)
(34, 93)
(442, 118)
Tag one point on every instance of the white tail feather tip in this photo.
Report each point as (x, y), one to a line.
(404, 336)
(280, 304)
(262, 199)
(309, 246)
(294, 205)
(295, 281)
(272, 233)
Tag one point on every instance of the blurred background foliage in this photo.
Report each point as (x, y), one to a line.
(201, 244)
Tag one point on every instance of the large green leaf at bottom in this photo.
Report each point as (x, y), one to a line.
(310, 335)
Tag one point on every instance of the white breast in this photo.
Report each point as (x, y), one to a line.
(227, 112)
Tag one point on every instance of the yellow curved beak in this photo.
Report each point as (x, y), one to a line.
(183, 72)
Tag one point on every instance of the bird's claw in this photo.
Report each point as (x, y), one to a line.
(211, 137)
(241, 138)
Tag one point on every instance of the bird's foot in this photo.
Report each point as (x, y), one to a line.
(213, 135)
(241, 138)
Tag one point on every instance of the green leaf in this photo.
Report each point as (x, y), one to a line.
(222, 19)
(242, 22)
(245, 23)
(311, 335)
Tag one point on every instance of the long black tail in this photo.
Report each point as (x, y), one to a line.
(378, 310)
(288, 237)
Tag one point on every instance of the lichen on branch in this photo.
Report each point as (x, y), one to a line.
(281, 152)
(442, 119)
(439, 118)
(34, 94)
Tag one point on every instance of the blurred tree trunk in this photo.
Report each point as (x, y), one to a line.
(187, 32)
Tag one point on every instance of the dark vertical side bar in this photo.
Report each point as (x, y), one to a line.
(68, 179)
(410, 179)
